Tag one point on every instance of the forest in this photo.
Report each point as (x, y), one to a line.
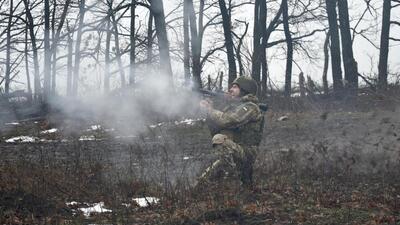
(100, 120)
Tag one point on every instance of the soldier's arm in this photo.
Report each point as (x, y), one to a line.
(233, 119)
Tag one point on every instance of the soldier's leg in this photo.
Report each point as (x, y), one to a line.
(246, 166)
(228, 153)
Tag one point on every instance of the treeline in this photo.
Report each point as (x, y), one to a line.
(41, 39)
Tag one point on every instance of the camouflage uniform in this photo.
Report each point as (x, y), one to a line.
(237, 131)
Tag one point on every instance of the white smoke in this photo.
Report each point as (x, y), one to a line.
(130, 110)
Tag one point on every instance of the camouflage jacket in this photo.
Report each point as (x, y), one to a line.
(241, 120)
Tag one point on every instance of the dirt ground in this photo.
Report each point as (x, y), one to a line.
(336, 164)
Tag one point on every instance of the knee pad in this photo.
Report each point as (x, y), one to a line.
(219, 139)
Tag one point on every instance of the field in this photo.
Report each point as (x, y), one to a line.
(319, 163)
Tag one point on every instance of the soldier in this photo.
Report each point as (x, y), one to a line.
(237, 130)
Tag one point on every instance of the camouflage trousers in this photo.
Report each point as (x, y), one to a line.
(233, 160)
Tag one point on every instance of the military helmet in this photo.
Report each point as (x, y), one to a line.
(246, 84)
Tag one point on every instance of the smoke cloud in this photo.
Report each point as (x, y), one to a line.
(132, 109)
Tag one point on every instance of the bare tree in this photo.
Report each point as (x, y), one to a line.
(350, 69)
(326, 65)
(157, 9)
(7, 76)
(116, 39)
(56, 39)
(384, 46)
(47, 52)
(335, 46)
(226, 22)
(70, 34)
(32, 34)
(132, 51)
(195, 44)
(149, 49)
(107, 60)
(289, 43)
(75, 80)
(260, 26)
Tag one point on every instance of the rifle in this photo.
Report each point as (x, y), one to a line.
(220, 95)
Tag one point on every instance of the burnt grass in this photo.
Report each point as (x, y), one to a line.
(326, 163)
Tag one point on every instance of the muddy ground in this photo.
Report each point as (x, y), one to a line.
(323, 165)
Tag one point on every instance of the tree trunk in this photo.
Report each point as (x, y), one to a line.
(69, 62)
(118, 51)
(238, 50)
(107, 59)
(157, 9)
(53, 51)
(186, 45)
(132, 40)
(34, 50)
(56, 37)
(196, 46)
(289, 43)
(75, 80)
(326, 65)
(256, 59)
(226, 21)
(47, 52)
(263, 54)
(384, 48)
(350, 71)
(7, 76)
(150, 38)
(335, 47)
(28, 77)
(302, 85)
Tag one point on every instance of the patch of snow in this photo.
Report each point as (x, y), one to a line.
(283, 118)
(156, 125)
(53, 130)
(12, 123)
(87, 138)
(188, 121)
(52, 141)
(126, 136)
(94, 128)
(146, 201)
(23, 139)
(72, 203)
(127, 205)
(95, 208)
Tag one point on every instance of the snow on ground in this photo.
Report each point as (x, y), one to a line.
(87, 138)
(94, 128)
(92, 208)
(188, 121)
(23, 139)
(53, 130)
(95, 208)
(72, 203)
(126, 136)
(146, 201)
(100, 208)
(12, 123)
(156, 125)
(184, 121)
